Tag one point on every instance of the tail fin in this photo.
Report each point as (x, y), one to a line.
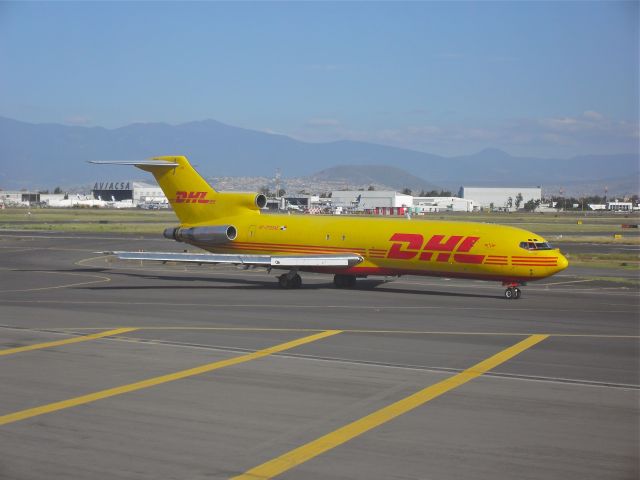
(192, 198)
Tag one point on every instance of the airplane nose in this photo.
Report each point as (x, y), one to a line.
(562, 262)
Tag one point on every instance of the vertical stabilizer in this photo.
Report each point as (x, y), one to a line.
(191, 197)
(193, 200)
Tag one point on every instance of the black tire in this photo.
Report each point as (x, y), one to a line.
(344, 281)
(509, 293)
(516, 293)
(284, 282)
(296, 281)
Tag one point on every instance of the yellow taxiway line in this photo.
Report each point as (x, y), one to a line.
(67, 341)
(112, 392)
(331, 440)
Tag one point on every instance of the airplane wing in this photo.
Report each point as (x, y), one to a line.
(269, 261)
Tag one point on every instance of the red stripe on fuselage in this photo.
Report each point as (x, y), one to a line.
(468, 258)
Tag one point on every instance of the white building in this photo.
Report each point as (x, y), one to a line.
(619, 206)
(11, 198)
(442, 204)
(501, 198)
(25, 198)
(356, 200)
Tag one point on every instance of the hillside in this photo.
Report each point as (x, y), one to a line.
(45, 155)
(375, 175)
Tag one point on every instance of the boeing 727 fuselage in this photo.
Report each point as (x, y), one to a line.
(231, 227)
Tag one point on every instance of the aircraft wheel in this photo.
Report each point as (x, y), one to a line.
(283, 281)
(509, 293)
(344, 281)
(516, 293)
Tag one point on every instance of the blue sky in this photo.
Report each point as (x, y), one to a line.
(532, 78)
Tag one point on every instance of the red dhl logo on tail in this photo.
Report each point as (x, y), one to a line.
(192, 197)
(409, 245)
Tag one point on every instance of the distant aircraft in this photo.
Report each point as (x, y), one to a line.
(231, 227)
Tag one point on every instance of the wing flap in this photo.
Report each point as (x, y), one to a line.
(275, 261)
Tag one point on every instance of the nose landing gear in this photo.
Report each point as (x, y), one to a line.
(512, 292)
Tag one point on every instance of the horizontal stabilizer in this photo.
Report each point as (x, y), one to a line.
(274, 261)
(144, 163)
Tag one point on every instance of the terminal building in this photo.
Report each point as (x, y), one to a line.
(500, 198)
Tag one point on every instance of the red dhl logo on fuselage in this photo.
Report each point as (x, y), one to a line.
(192, 197)
(440, 248)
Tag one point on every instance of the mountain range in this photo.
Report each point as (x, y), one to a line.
(46, 155)
(379, 176)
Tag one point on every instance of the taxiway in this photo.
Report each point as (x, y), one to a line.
(136, 371)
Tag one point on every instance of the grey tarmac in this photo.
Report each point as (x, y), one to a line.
(565, 408)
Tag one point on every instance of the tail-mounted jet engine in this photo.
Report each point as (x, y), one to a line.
(212, 235)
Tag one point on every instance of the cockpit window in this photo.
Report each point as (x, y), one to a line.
(536, 246)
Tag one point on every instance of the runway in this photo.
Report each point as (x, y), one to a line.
(132, 370)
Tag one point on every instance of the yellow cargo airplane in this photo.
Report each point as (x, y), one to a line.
(231, 227)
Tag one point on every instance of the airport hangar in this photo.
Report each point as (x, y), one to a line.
(498, 197)
(390, 202)
(138, 192)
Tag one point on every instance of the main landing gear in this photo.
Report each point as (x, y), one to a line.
(344, 281)
(512, 292)
(290, 280)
